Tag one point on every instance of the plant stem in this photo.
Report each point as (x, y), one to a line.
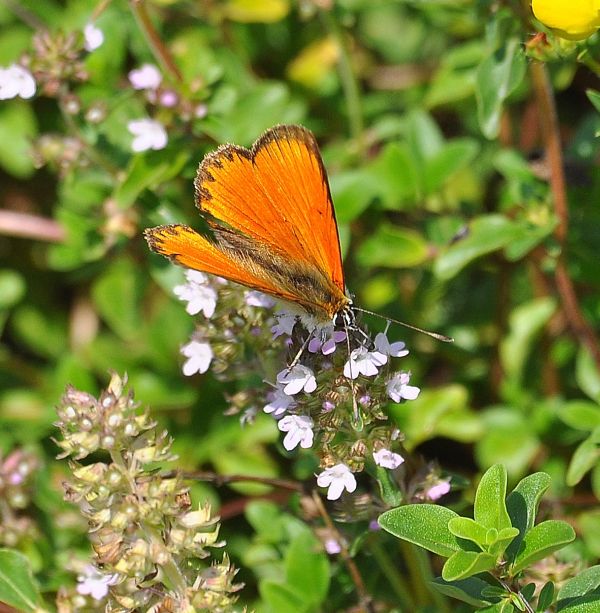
(158, 48)
(13, 223)
(349, 83)
(551, 135)
(363, 596)
(395, 579)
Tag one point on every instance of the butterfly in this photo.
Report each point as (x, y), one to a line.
(273, 226)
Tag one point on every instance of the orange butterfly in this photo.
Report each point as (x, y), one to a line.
(272, 220)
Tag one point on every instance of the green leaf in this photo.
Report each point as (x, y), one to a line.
(17, 585)
(454, 156)
(497, 77)
(585, 457)
(508, 438)
(396, 176)
(388, 487)
(45, 333)
(393, 247)
(148, 170)
(17, 130)
(463, 564)
(438, 412)
(12, 288)
(282, 598)
(487, 233)
(522, 506)
(425, 525)
(307, 568)
(118, 295)
(589, 528)
(545, 597)
(468, 590)
(352, 192)
(594, 98)
(542, 540)
(587, 375)
(467, 528)
(424, 137)
(490, 499)
(265, 518)
(525, 322)
(585, 585)
(580, 414)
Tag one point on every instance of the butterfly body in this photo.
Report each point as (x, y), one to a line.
(272, 221)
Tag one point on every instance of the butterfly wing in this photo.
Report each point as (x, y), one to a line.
(277, 193)
(272, 218)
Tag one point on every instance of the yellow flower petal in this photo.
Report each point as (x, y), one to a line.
(574, 19)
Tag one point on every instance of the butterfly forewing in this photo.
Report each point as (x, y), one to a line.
(272, 218)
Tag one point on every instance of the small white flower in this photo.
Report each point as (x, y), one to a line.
(148, 134)
(398, 387)
(337, 478)
(199, 356)
(395, 350)
(94, 583)
(146, 76)
(278, 402)
(197, 292)
(364, 362)
(285, 324)
(299, 431)
(258, 299)
(297, 379)
(93, 37)
(16, 81)
(387, 459)
(438, 490)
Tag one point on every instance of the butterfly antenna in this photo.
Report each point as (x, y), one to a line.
(436, 335)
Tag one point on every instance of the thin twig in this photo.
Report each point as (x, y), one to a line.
(363, 595)
(220, 480)
(160, 51)
(26, 225)
(551, 135)
(25, 15)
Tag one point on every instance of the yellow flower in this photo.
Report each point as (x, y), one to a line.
(573, 19)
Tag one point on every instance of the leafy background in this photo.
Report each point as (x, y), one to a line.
(432, 129)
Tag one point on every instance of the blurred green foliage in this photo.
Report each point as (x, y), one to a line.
(433, 134)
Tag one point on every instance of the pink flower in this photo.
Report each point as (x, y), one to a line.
(387, 459)
(398, 388)
(199, 356)
(16, 81)
(325, 342)
(258, 299)
(337, 479)
(299, 431)
(93, 37)
(300, 378)
(285, 324)
(438, 490)
(278, 403)
(146, 76)
(148, 134)
(364, 362)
